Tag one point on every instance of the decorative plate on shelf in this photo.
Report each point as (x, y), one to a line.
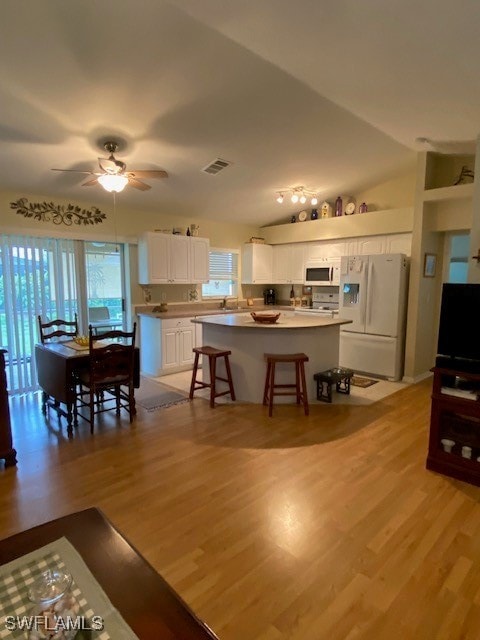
(350, 208)
(265, 318)
(302, 216)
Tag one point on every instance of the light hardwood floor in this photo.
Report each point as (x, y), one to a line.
(326, 527)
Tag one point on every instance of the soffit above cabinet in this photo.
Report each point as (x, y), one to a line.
(355, 226)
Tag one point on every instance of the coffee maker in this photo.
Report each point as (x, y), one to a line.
(269, 296)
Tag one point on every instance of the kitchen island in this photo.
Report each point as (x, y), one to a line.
(317, 337)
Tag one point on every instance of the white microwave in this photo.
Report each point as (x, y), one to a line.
(322, 272)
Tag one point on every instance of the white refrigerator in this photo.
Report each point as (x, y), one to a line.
(373, 295)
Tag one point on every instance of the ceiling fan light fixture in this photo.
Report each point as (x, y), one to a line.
(112, 182)
(280, 198)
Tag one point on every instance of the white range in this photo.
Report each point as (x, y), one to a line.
(323, 304)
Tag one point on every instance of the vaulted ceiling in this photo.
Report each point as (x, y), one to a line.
(329, 95)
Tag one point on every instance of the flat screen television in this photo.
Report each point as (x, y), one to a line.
(459, 330)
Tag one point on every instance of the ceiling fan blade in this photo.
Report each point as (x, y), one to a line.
(154, 173)
(110, 165)
(138, 184)
(90, 183)
(76, 171)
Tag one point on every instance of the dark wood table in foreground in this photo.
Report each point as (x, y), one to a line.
(147, 603)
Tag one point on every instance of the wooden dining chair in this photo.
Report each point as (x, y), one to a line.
(108, 383)
(56, 330)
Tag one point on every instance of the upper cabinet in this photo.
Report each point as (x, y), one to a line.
(199, 253)
(399, 243)
(172, 259)
(316, 250)
(288, 264)
(257, 263)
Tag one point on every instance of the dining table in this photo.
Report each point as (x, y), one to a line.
(58, 364)
(139, 602)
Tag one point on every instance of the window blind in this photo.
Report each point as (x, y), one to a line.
(223, 265)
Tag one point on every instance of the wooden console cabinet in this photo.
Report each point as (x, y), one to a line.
(455, 417)
(6, 446)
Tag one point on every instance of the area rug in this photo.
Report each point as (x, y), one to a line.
(358, 381)
(154, 395)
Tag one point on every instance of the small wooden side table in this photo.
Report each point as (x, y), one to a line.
(338, 376)
(6, 446)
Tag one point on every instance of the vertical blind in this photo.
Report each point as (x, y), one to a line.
(37, 277)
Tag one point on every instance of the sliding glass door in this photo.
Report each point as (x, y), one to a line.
(105, 284)
(54, 279)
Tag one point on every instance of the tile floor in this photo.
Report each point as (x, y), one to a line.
(357, 395)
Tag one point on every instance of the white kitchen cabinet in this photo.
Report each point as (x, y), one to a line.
(172, 259)
(371, 245)
(399, 243)
(392, 243)
(257, 263)
(351, 247)
(166, 346)
(316, 250)
(336, 249)
(178, 340)
(288, 264)
(199, 260)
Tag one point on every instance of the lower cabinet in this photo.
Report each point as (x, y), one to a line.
(177, 344)
(454, 443)
(166, 346)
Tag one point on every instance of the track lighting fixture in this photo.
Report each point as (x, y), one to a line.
(298, 194)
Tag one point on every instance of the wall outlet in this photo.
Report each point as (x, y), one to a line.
(185, 296)
(164, 296)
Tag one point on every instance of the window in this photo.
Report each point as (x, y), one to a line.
(459, 252)
(223, 272)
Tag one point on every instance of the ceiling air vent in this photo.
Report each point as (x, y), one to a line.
(217, 165)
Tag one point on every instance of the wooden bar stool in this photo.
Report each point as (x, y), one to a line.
(212, 354)
(300, 387)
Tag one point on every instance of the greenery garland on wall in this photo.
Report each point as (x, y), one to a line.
(57, 213)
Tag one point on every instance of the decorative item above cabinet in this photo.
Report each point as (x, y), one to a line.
(172, 259)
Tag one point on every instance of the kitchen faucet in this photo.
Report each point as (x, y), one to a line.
(224, 303)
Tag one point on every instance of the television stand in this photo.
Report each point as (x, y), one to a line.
(455, 420)
(458, 364)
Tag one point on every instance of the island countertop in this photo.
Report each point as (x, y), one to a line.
(245, 321)
(247, 341)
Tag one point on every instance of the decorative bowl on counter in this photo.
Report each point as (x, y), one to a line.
(265, 318)
(83, 341)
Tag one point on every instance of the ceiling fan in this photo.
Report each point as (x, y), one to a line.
(114, 175)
